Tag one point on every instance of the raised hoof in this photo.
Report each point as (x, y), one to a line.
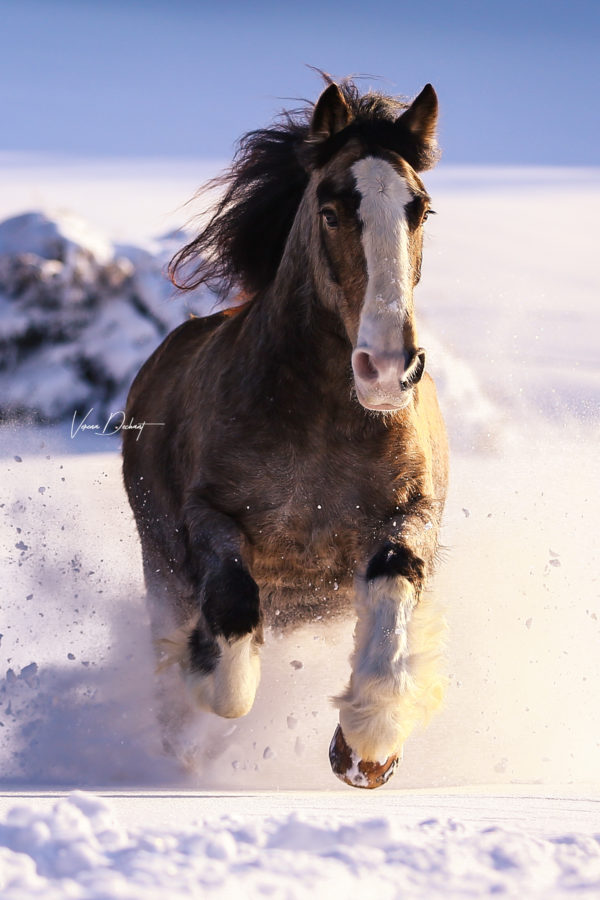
(357, 772)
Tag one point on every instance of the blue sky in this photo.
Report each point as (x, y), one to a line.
(517, 81)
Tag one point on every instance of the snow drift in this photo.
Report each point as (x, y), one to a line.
(79, 848)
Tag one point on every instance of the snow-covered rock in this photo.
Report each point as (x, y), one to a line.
(78, 315)
(66, 238)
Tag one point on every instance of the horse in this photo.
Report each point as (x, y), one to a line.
(302, 463)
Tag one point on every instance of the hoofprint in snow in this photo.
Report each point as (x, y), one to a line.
(519, 582)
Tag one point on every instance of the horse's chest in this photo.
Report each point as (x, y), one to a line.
(316, 510)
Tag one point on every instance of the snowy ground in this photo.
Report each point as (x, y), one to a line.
(509, 308)
(392, 846)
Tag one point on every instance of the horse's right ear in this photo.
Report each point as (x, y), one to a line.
(330, 114)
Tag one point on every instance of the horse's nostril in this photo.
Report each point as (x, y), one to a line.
(364, 367)
(414, 372)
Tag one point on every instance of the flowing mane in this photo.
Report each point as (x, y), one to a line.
(241, 246)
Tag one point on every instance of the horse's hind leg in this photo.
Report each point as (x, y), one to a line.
(396, 679)
(217, 649)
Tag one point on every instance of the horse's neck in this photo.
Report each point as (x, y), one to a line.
(293, 326)
(296, 310)
(293, 329)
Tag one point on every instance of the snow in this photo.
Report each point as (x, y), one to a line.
(508, 306)
(133, 200)
(78, 846)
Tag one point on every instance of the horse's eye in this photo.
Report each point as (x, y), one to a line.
(330, 216)
(429, 212)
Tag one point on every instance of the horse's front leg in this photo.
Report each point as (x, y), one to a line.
(217, 649)
(396, 680)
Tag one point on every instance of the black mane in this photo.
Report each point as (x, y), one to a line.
(241, 246)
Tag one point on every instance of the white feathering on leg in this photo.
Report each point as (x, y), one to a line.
(229, 690)
(174, 648)
(236, 677)
(396, 677)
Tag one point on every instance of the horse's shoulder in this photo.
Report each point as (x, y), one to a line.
(177, 347)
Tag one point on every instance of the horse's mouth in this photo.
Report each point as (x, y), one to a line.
(384, 383)
(385, 404)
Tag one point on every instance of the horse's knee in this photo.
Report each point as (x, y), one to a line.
(231, 604)
(397, 560)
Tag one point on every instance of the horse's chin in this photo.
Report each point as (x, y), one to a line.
(385, 404)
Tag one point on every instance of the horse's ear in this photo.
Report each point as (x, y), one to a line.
(420, 120)
(330, 114)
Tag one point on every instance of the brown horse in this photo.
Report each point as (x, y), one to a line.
(302, 463)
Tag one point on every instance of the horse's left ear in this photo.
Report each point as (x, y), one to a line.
(420, 120)
(330, 114)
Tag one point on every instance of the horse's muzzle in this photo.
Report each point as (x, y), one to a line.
(384, 381)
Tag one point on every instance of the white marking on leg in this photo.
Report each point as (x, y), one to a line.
(388, 299)
(396, 680)
(236, 677)
(229, 690)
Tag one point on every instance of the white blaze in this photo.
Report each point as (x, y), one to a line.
(384, 196)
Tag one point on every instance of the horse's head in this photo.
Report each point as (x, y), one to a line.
(342, 184)
(367, 205)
